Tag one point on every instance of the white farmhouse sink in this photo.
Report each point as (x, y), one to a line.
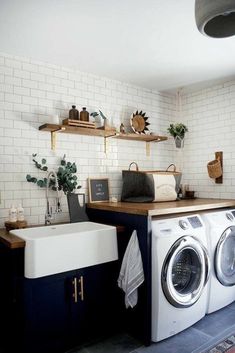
(59, 248)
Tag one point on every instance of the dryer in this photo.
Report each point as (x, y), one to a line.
(180, 270)
(220, 227)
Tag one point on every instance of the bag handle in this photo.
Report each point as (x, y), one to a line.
(174, 170)
(136, 166)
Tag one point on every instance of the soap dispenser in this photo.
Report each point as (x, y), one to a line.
(20, 213)
(12, 214)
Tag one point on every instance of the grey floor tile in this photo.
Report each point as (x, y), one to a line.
(121, 343)
(231, 306)
(215, 323)
(184, 342)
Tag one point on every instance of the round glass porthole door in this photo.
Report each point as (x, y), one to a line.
(185, 272)
(224, 260)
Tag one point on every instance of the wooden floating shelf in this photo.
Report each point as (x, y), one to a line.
(98, 132)
(138, 137)
(68, 129)
(76, 130)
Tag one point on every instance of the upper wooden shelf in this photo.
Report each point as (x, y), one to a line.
(98, 132)
(76, 130)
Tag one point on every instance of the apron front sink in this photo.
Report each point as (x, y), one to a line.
(60, 248)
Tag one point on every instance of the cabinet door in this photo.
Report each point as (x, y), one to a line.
(46, 314)
(100, 298)
(78, 308)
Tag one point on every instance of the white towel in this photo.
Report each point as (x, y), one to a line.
(164, 187)
(131, 275)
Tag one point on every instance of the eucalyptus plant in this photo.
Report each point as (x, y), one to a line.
(67, 180)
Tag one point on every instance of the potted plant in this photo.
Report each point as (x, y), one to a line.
(178, 131)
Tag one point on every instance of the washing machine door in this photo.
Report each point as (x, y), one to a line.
(185, 272)
(224, 260)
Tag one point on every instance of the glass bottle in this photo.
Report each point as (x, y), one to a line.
(13, 214)
(20, 213)
(74, 113)
(84, 115)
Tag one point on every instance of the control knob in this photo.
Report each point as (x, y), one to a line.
(229, 216)
(183, 224)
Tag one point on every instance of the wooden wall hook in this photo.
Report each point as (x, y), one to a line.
(219, 157)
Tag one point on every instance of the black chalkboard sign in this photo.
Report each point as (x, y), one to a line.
(98, 189)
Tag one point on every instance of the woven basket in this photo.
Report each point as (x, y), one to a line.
(214, 169)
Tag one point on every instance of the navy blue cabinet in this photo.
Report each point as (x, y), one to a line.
(55, 313)
(63, 310)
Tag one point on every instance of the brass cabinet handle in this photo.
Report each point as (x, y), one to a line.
(81, 293)
(75, 287)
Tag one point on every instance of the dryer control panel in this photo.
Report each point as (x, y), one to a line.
(195, 222)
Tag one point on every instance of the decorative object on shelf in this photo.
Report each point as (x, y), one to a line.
(98, 189)
(84, 115)
(67, 180)
(178, 131)
(215, 168)
(189, 194)
(74, 113)
(106, 125)
(215, 18)
(55, 119)
(79, 123)
(122, 128)
(139, 122)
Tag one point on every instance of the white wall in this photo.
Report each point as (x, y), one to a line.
(210, 117)
(31, 92)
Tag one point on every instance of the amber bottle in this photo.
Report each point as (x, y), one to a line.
(74, 113)
(84, 115)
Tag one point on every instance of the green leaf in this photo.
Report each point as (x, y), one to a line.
(45, 168)
(28, 177)
(63, 162)
(44, 161)
(40, 183)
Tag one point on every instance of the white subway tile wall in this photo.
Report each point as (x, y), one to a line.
(210, 117)
(31, 92)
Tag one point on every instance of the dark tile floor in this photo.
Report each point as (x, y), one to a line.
(197, 339)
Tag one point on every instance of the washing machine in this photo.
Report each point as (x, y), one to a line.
(220, 228)
(180, 271)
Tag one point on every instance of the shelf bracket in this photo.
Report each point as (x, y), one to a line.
(106, 145)
(147, 149)
(53, 137)
(53, 140)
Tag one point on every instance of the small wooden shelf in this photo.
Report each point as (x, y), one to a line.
(54, 128)
(138, 137)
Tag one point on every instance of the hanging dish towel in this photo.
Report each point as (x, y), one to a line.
(131, 275)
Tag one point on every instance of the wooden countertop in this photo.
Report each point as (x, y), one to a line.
(10, 240)
(145, 209)
(163, 208)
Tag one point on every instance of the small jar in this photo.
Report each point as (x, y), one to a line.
(74, 113)
(84, 115)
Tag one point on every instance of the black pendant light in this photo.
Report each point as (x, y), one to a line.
(215, 18)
